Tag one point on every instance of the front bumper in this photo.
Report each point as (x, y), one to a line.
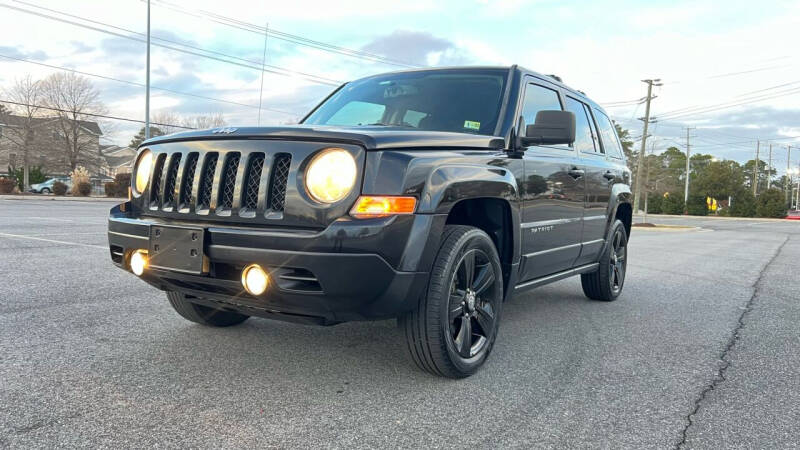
(352, 270)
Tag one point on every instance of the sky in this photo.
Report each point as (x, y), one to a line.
(730, 69)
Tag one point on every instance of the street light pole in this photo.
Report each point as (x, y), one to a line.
(147, 88)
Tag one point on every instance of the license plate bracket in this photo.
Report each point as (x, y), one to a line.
(178, 249)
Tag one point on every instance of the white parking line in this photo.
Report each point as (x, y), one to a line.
(32, 238)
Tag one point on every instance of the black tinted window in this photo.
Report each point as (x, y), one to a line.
(463, 101)
(583, 131)
(538, 98)
(608, 135)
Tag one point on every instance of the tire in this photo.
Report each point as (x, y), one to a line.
(607, 282)
(45, 191)
(459, 302)
(203, 315)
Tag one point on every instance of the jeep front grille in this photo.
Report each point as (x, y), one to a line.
(220, 183)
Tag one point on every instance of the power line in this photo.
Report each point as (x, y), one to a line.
(279, 35)
(102, 116)
(134, 83)
(226, 55)
(682, 112)
(273, 69)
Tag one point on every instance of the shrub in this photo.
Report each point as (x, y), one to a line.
(59, 188)
(84, 188)
(35, 175)
(697, 206)
(672, 204)
(743, 205)
(110, 188)
(6, 185)
(122, 182)
(654, 201)
(771, 203)
(79, 175)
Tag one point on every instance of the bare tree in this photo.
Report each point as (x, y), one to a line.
(20, 119)
(205, 121)
(74, 98)
(167, 122)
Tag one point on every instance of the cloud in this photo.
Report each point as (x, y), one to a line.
(417, 47)
(16, 52)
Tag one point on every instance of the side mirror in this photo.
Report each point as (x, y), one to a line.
(551, 128)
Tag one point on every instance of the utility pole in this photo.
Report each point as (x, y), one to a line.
(263, 64)
(638, 187)
(755, 170)
(786, 182)
(147, 88)
(769, 167)
(688, 168)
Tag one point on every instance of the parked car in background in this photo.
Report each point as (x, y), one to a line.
(47, 186)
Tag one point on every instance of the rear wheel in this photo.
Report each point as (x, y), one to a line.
(203, 315)
(606, 283)
(454, 326)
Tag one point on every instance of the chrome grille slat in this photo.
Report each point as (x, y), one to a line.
(207, 181)
(280, 176)
(155, 184)
(252, 181)
(187, 182)
(169, 184)
(228, 181)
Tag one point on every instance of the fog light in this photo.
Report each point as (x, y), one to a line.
(138, 262)
(254, 279)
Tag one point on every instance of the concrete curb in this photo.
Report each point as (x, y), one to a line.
(666, 229)
(61, 198)
(672, 216)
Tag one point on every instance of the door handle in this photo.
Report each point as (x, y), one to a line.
(576, 173)
(609, 176)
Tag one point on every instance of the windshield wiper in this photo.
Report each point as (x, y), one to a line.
(388, 125)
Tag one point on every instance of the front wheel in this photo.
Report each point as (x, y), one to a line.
(45, 191)
(454, 326)
(203, 315)
(606, 283)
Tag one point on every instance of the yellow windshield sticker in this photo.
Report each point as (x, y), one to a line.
(470, 125)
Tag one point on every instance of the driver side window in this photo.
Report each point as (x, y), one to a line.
(538, 98)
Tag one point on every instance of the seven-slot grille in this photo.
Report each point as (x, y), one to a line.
(220, 183)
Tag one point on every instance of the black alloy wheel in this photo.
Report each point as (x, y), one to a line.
(607, 281)
(472, 312)
(453, 327)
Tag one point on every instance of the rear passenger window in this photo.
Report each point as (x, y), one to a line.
(608, 135)
(538, 98)
(583, 131)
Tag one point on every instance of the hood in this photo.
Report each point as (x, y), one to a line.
(369, 137)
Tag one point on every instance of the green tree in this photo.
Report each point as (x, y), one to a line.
(719, 179)
(139, 138)
(673, 203)
(35, 175)
(763, 171)
(743, 204)
(771, 203)
(697, 206)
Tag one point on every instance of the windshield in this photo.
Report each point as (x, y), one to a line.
(462, 101)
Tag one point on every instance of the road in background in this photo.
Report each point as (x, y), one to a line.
(705, 334)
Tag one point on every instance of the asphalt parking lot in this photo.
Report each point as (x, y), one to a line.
(700, 351)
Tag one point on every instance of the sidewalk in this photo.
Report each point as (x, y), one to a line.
(63, 198)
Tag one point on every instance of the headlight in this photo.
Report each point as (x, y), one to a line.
(331, 175)
(142, 171)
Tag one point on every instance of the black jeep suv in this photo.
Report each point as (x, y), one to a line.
(427, 195)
